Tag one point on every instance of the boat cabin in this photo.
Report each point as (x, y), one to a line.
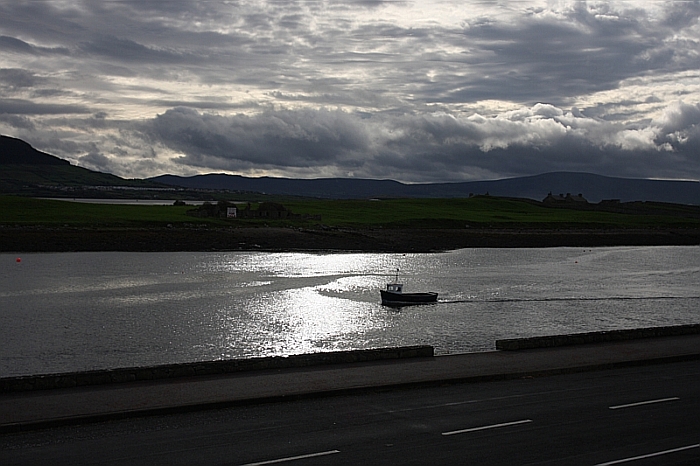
(395, 287)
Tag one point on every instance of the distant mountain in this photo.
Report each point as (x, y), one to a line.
(25, 170)
(17, 152)
(28, 171)
(330, 188)
(594, 188)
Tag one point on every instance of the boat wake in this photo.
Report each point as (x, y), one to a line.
(566, 299)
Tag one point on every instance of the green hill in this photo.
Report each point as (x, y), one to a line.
(17, 152)
(27, 171)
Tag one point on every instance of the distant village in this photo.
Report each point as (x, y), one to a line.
(570, 201)
(552, 199)
(265, 210)
(275, 211)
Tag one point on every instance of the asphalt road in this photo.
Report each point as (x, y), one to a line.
(646, 415)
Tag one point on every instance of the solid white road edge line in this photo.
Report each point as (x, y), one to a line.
(294, 458)
(661, 400)
(494, 426)
(650, 455)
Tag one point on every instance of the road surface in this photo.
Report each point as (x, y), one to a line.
(638, 416)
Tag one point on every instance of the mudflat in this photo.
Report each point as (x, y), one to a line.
(165, 239)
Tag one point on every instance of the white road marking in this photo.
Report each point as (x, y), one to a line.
(494, 426)
(650, 455)
(479, 400)
(443, 405)
(661, 400)
(294, 458)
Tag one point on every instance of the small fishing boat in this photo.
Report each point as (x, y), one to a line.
(394, 295)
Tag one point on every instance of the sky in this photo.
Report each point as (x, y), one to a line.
(414, 91)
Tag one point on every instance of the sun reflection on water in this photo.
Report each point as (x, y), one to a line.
(299, 264)
(301, 320)
(305, 302)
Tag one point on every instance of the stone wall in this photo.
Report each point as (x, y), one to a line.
(595, 337)
(107, 376)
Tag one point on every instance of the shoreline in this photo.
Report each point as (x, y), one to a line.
(24, 239)
(119, 375)
(29, 410)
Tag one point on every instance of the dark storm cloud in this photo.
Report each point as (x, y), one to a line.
(18, 78)
(15, 45)
(434, 146)
(18, 122)
(285, 138)
(130, 51)
(417, 91)
(552, 59)
(27, 107)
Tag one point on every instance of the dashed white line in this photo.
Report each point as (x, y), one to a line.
(294, 458)
(493, 426)
(650, 455)
(442, 405)
(640, 403)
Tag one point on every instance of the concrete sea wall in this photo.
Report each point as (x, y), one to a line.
(121, 375)
(108, 376)
(552, 341)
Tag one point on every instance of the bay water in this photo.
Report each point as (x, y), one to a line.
(80, 311)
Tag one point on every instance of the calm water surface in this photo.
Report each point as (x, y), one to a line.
(78, 311)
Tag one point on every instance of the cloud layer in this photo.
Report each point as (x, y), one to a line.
(422, 91)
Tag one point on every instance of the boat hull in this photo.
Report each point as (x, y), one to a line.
(390, 298)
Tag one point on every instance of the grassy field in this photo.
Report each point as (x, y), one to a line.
(475, 212)
(29, 211)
